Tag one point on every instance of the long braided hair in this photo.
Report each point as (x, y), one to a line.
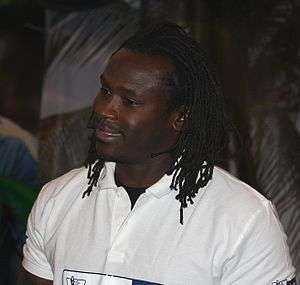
(193, 87)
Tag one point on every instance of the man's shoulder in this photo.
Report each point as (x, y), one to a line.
(66, 186)
(55, 199)
(233, 195)
(233, 185)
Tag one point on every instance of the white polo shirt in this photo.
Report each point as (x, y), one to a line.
(231, 235)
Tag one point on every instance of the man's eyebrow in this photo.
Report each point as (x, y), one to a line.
(127, 91)
(123, 89)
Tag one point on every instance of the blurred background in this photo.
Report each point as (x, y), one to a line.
(51, 55)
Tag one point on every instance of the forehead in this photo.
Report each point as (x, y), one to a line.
(136, 68)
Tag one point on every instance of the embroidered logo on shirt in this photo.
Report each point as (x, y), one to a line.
(75, 281)
(285, 282)
(72, 277)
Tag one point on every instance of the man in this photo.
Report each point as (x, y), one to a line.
(152, 208)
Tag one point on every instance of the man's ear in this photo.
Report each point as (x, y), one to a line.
(178, 119)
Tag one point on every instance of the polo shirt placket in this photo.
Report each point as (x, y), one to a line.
(123, 220)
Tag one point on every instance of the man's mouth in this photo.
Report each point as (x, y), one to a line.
(107, 134)
(105, 131)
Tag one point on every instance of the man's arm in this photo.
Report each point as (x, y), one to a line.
(35, 261)
(26, 278)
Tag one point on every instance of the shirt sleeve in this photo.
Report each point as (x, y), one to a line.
(35, 259)
(261, 256)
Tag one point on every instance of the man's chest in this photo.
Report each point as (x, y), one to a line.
(100, 242)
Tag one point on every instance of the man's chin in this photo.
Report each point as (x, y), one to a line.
(112, 157)
(108, 155)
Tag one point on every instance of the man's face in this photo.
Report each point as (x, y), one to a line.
(132, 109)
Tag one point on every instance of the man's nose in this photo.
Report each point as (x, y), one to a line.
(108, 108)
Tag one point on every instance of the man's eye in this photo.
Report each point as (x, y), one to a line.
(131, 102)
(104, 91)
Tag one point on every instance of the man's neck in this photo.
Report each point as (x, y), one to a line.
(142, 175)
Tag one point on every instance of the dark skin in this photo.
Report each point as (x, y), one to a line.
(133, 103)
(135, 121)
(26, 278)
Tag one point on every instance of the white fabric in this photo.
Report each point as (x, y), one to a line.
(231, 234)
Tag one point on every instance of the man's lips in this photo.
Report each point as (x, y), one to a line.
(106, 134)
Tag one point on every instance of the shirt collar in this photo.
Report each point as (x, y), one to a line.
(107, 181)
(107, 176)
(161, 187)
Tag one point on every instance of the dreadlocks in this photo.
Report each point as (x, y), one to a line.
(193, 87)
